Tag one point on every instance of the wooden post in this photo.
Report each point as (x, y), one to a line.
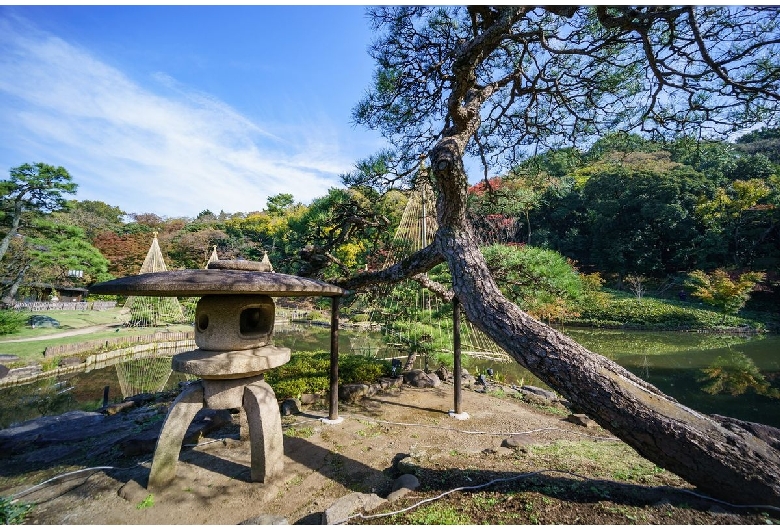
(333, 414)
(456, 352)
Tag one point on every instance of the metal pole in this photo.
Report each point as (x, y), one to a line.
(456, 351)
(334, 358)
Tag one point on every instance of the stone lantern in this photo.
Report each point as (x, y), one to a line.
(234, 322)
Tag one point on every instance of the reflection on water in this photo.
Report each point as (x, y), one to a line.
(735, 373)
(715, 374)
(143, 375)
(612, 343)
(150, 372)
(692, 366)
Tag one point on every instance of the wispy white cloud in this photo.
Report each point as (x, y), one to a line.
(163, 148)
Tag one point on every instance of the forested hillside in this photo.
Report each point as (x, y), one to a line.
(626, 208)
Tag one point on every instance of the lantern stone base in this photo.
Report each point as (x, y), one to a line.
(248, 392)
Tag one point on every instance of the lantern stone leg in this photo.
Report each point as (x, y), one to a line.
(257, 402)
(166, 453)
(265, 431)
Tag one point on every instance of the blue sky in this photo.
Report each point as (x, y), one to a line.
(175, 110)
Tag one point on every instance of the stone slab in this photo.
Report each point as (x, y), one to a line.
(265, 520)
(402, 486)
(582, 420)
(350, 504)
(132, 492)
(232, 364)
(241, 265)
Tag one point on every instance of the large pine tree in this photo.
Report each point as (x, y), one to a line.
(489, 81)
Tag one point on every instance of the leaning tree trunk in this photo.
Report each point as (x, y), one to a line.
(724, 458)
(13, 230)
(10, 295)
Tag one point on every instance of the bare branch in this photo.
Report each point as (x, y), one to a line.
(443, 292)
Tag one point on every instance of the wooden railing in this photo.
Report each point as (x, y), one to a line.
(115, 343)
(67, 306)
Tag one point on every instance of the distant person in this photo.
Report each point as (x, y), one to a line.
(682, 295)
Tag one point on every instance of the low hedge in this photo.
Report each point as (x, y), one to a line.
(308, 373)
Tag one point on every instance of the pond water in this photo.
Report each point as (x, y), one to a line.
(714, 374)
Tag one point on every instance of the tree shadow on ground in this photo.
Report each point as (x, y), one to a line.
(579, 493)
(367, 404)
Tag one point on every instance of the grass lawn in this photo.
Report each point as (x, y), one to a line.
(32, 351)
(70, 320)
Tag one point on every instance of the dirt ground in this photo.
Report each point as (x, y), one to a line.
(573, 480)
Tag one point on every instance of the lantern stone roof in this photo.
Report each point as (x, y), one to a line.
(241, 279)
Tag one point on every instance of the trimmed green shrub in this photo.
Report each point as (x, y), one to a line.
(11, 321)
(295, 386)
(308, 373)
(359, 369)
(316, 316)
(540, 281)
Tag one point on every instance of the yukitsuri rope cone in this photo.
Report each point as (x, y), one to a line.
(148, 311)
(420, 331)
(213, 257)
(188, 304)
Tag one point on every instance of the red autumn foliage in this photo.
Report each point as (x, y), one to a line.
(125, 253)
(481, 187)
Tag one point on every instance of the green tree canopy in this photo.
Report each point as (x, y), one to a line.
(765, 141)
(641, 215)
(57, 249)
(93, 217)
(279, 203)
(32, 189)
(339, 231)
